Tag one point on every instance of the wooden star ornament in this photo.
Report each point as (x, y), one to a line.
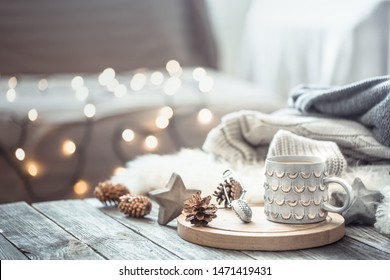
(171, 199)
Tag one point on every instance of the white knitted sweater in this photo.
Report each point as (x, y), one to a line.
(249, 136)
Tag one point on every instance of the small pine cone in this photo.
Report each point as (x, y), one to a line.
(236, 188)
(136, 206)
(108, 193)
(233, 190)
(219, 193)
(199, 210)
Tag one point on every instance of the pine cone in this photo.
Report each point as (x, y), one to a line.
(109, 193)
(233, 190)
(136, 206)
(199, 210)
(219, 193)
(236, 188)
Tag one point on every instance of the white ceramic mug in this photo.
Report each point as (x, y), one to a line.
(296, 190)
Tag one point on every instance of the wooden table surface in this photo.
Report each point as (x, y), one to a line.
(84, 229)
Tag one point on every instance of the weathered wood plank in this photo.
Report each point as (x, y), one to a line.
(9, 251)
(167, 236)
(345, 249)
(25, 232)
(38, 237)
(369, 236)
(104, 234)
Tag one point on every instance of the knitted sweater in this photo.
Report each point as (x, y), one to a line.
(366, 101)
(246, 136)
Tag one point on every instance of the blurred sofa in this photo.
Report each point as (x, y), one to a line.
(46, 44)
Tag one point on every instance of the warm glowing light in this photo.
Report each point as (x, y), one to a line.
(172, 85)
(20, 154)
(43, 84)
(89, 110)
(199, 73)
(205, 116)
(157, 78)
(138, 81)
(173, 67)
(81, 187)
(206, 84)
(120, 91)
(32, 115)
(12, 82)
(68, 147)
(11, 95)
(106, 76)
(112, 85)
(166, 112)
(151, 142)
(32, 169)
(77, 82)
(162, 122)
(178, 73)
(119, 170)
(128, 135)
(82, 93)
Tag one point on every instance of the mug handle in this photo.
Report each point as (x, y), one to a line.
(348, 189)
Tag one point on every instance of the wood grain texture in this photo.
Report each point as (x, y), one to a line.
(105, 235)
(75, 229)
(345, 249)
(167, 236)
(8, 251)
(39, 238)
(368, 235)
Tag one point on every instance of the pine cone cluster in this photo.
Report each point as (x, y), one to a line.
(109, 193)
(136, 206)
(233, 190)
(199, 210)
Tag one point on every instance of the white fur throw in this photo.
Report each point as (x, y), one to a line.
(200, 170)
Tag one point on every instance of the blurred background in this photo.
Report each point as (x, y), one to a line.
(88, 85)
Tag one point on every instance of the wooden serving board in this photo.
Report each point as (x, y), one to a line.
(227, 231)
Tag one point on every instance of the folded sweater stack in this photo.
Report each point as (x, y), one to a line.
(248, 136)
(367, 102)
(356, 117)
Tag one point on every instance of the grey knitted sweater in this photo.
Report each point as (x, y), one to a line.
(366, 101)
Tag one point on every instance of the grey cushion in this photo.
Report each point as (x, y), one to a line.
(46, 36)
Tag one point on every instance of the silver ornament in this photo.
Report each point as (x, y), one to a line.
(239, 206)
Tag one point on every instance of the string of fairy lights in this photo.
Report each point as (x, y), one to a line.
(167, 82)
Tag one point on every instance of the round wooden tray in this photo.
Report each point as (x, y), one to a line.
(227, 231)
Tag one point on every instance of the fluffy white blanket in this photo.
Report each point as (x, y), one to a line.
(200, 170)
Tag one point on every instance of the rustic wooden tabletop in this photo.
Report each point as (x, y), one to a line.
(84, 229)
